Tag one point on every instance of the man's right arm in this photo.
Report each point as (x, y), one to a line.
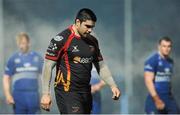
(54, 52)
(8, 74)
(7, 91)
(148, 78)
(46, 81)
(47, 75)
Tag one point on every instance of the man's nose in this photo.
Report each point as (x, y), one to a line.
(89, 30)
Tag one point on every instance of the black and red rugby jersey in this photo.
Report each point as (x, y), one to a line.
(74, 56)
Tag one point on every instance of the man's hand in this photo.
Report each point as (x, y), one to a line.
(116, 92)
(95, 88)
(158, 103)
(9, 99)
(46, 102)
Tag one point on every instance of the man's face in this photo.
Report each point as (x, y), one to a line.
(85, 28)
(165, 47)
(23, 45)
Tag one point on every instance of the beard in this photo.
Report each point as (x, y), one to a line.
(83, 34)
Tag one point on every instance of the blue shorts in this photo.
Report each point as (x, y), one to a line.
(96, 104)
(26, 102)
(170, 105)
(96, 108)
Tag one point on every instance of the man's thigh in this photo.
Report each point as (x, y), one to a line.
(74, 103)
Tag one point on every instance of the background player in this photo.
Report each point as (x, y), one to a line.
(157, 74)
(96, 85)
(23, 69)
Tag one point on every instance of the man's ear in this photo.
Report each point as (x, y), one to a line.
(77, 22)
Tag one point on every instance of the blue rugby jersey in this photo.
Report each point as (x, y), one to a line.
(24, 70)
(163, 69)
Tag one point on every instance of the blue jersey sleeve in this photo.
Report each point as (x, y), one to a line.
(9, 69)
(150, 65)
(41, 61)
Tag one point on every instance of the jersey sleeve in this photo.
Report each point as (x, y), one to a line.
(98, 56)
(9, 69)
(55, 48)
(150, 65)
(40, 65)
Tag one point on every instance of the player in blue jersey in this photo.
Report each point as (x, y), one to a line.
(96, 85)
(23, 69)
(158, 71)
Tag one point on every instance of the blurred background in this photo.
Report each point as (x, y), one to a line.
(127, 30)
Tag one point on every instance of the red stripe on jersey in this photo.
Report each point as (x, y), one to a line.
(67, 84)
(66, 46)
(65, 55)
(70, 27)
(66, 87)
(51, 58)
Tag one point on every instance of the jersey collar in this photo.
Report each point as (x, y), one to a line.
(72, 31)
(24, 54)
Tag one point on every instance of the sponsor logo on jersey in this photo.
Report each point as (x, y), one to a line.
(78, 59)
(22, 69)
(75, 48)
(162, 79)
(58, 38)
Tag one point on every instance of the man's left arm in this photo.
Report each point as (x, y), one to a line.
(104, 72)
(106, 76)
(97, 87)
